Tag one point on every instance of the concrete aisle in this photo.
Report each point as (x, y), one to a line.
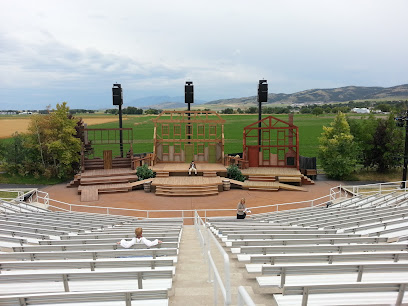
(191, 285)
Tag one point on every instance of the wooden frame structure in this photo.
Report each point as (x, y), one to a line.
(278, 146)
(106, 138)
(183, 136)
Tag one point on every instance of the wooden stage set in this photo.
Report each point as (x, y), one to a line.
(172, 179)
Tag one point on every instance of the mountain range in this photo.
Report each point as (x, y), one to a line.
(330, 95)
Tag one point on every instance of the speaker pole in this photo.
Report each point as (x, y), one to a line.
(118, 100)
(262, 97)
(120, 131)
(189, 98)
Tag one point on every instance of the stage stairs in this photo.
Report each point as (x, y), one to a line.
(92, 182)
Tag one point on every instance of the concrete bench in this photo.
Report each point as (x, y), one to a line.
(84, 281)
(378, 293)
(141, 297)
(275, 276)
(95, 255)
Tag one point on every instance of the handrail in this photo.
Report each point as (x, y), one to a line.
(244, 298)
(212, 269)
(380, 187)
(147, 213)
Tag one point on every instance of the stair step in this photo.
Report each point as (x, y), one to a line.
(263, 189)
(183, 188)
(109, 179)
(187, 194)
(262, 179)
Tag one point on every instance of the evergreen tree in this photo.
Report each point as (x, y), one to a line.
(337, 150)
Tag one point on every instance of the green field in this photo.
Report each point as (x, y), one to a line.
(310, 128)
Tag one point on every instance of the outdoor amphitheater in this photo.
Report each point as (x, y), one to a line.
(303, 243)
(346, 248)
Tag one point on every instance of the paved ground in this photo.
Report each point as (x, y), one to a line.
(138, 199)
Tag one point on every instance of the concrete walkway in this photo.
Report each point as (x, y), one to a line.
(191, 286)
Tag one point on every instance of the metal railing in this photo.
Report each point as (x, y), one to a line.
(43, 197)
(213, 274)
(368, 189)
(244, 298)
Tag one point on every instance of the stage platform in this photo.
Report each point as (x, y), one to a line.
(182, 168)
(272, 171)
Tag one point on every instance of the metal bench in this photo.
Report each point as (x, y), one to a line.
(91, 298)
(286, 270)
(330, 294)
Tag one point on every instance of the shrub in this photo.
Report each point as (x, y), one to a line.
(234, 173)
(143, 172)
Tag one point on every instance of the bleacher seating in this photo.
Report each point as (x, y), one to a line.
(70, 258)
(292, 253)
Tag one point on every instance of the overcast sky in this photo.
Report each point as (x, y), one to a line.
(54, 51)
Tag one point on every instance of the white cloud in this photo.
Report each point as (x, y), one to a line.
(223, 46)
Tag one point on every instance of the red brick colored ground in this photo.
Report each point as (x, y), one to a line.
(138, 199)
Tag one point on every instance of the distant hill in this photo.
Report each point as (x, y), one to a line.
(331, 95)
(160, 102)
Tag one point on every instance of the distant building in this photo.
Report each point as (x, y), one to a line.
(362, 110)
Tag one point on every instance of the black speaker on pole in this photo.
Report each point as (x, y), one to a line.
(263, 91)
(189, 92)
(117, 94)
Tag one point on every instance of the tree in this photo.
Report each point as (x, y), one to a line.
(337, 150)
(227, 111)
(152, 111)
(251, 110)
(53, 137)
(363, 131)
(317, 111)
(387, 145)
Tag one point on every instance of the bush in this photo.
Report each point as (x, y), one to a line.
(234, 173)
(144, 172)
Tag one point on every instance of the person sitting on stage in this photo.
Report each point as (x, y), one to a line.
(192, 167)
(139, 239)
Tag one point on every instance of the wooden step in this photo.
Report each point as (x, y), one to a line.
(181, 194)
(107, 172)
(262, 178)
(209, 173)
(186, 191)
(263, 189)
(108, 179)
(290, 179)
(162, 174)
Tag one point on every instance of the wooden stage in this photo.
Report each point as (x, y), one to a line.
(272, 171)
(183, 167)
(186, 181)
(172, 179)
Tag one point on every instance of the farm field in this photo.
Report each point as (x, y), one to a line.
(8, 126)
(310, 128)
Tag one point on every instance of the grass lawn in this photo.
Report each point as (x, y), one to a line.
(27, 180)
